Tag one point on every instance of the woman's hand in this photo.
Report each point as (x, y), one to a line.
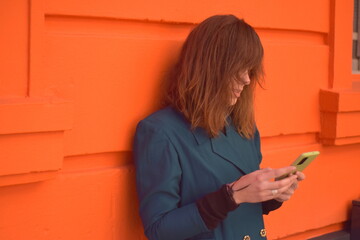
(288, 193)
(259, 186)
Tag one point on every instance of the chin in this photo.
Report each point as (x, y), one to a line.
(233, 102)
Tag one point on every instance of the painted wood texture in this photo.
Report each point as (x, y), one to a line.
(77, 76)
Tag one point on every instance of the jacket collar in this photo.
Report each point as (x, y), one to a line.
(200, 135)
(222, 145)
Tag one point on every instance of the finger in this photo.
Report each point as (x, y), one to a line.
(248, 179)
(242, 182)
(284, 193)
(283, 197)
(279, 199)
(301, 175)
(287, 190)
(286, 182)
(239, 184)
(266, 169)
(294, 185)
(274, 173)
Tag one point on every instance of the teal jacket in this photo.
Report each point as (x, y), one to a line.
(175, 166)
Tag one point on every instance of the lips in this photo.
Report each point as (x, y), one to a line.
(237, 92)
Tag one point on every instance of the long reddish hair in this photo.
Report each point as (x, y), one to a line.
(215, 53)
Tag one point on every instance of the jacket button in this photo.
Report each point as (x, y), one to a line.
(263, 232)
(246, 237)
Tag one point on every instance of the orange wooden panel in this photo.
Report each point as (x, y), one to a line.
(339, 100)
(24, 115)
(269, 14)
(33, 152)
(96, 204)
(36, 44)
(328, 125)
(347, 124)
(316, 232)
(288, 141)
(14, 30)
(292, 36)
(114, 69)
(150, 47)
(329, 101)
(350, 101)
(109, 57)
(339, 111)
(341, 29)
(97, 161)
(115, 28)
(328, 188)
(341, 141)
(23, 178)
(289, 103)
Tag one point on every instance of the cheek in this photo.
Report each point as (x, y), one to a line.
(239, 86)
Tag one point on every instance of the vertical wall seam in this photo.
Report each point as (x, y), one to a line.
(29, 51)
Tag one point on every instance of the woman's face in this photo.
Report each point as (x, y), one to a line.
(237, 86)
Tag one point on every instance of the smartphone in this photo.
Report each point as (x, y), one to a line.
(301, 162)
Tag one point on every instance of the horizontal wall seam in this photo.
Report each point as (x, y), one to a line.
(129, 167)
(130, 28)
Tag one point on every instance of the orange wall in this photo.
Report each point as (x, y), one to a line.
(76, 77)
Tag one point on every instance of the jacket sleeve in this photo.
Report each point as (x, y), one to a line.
(258, 144)
(158, 178)
(270, 205)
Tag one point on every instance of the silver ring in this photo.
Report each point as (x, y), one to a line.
(274, 192)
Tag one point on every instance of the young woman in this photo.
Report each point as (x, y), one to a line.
(197, 160)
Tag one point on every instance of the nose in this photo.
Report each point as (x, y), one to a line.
(246, 79)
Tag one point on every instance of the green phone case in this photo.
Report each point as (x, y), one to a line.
(302, 162)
